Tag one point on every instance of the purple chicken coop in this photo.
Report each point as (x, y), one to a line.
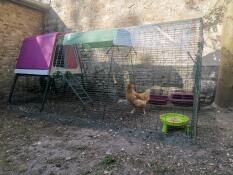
(38, 57)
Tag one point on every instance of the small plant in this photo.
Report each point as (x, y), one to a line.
(108, 161)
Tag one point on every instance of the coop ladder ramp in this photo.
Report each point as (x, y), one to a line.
(75, 84)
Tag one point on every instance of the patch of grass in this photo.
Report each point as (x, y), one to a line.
(21, 168)
(108, 161)
(4, 163)
(58, 162)
(98, 172)
(159, 168)
(7, 165)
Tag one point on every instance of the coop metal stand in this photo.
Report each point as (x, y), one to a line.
(109, 75)
(131, 61)
(12, 88)
(45, 93)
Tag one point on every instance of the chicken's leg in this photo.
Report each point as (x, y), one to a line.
(132, 111)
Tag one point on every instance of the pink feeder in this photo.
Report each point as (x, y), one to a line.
(158, 99)
(176, 97)
(181, 98)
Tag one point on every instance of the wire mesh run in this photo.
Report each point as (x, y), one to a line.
(165, 58)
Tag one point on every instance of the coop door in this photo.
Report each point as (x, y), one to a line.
(70, 59)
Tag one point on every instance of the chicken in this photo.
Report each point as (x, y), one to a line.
(138, 100)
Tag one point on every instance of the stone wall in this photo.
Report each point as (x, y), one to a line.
(80, 15)
(83, 15)
(16, 22)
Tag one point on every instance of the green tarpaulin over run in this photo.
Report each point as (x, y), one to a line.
(99, 38)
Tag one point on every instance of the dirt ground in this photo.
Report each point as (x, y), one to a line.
(37, 145)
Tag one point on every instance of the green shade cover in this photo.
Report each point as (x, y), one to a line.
(99, 38)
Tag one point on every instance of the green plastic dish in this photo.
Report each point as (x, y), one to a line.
(174, 120)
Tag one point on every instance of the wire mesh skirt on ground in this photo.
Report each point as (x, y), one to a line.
(165, 58)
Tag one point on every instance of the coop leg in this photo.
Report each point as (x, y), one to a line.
(199, 106)
(144, 111)
(45, 93)
(53, 86)
(12, 88)
(83, 82)
(132, 111)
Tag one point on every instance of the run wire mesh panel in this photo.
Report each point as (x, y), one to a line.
(164, 58)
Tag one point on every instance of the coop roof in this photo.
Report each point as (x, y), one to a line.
(99, 38)
(36, 54)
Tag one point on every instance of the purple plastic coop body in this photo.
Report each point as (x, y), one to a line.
(36, 54)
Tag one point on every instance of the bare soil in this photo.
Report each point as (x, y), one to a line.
(54, 144)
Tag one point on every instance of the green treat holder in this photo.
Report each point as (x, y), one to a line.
(174, 120)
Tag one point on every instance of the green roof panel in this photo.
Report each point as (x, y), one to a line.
(98, 38)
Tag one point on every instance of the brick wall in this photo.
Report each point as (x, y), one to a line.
(16, 22)
(83, 15)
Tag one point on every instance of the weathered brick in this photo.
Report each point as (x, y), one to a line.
(16, 23)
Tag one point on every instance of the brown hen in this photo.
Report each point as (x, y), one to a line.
(138, 100)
